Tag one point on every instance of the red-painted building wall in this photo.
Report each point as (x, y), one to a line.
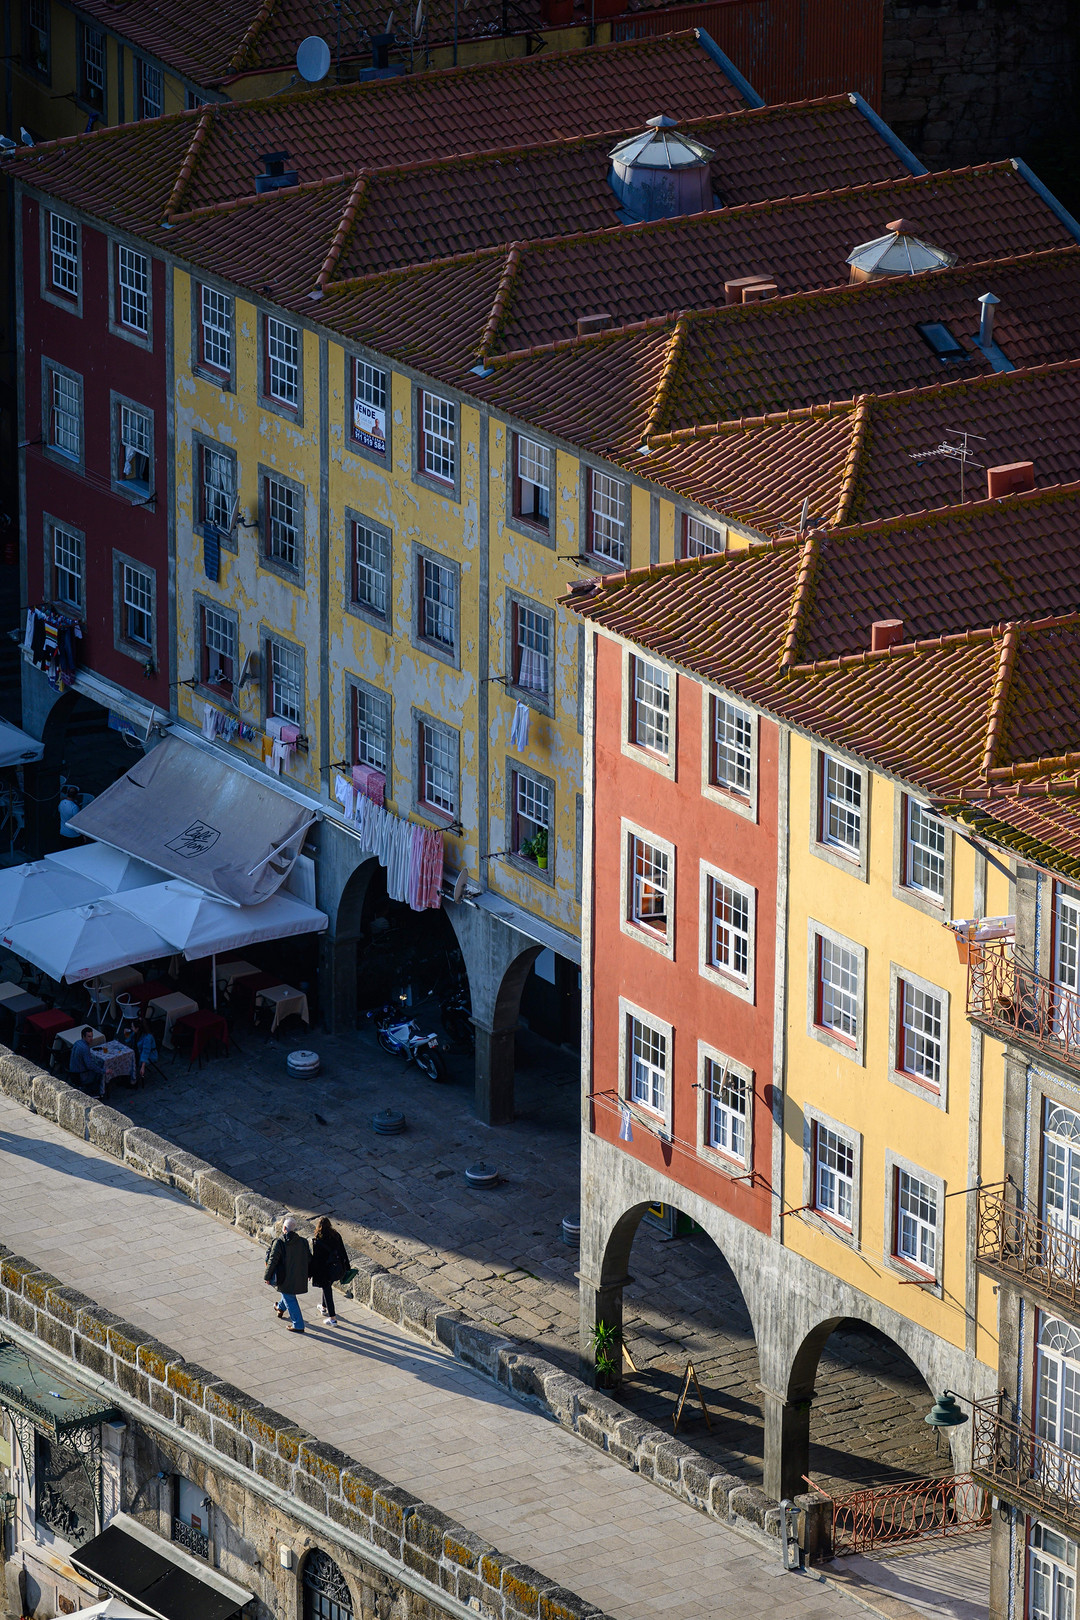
(701, 828)
(81, 336)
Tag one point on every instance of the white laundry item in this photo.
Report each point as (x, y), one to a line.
(519, 726)
(345, 794)
(279, 756)
(209, 721)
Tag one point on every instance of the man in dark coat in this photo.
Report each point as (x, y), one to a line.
(288, 1260)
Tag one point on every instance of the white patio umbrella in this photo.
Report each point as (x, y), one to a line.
(114, 869)
(113, 1608)
(35, 889)
(84, 941)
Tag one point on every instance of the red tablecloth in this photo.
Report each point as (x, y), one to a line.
(49, 1022)
(244, 990)
(206, 1026)
(142, 993)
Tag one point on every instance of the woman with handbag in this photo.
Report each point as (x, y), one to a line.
(329, 1263)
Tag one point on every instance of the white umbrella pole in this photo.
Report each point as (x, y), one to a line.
(213, 975)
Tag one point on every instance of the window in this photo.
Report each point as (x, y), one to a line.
(138, 605)
(437, 595)
(921, 1050)
(1061, 1177)
(148, 90)
(834, 1174)
(916, 1221)
(371, 568)
(218, 650)
(838, 989)
(191, 1516)
(841, 806)
(326, 1594)
(1052, 1586)
(135, 452)
(282, 362)
(438, 761)
(650, 716)
(65, 414)
(728, 1111)
(532, 648)
(369, 407)
(609, 513)
(733, 747)
(648, 896)
(92, 68)
(532, 480)
(370, 728)
(68, 560)
(438, 436)
(924, 851)
(941, 341)
(648, 1052)
(216, 329)
(282, 537)
(133, 283)
(217, 487)
(38, 37)
(64, 255)
(285, 694)
(701, 539)
(532, 817)
(729, 928)
(193, 99)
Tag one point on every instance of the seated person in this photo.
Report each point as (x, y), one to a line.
(83, 1071)
(144, 1046)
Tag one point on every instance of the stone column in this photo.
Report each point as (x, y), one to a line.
(337, 984)
(494, 1074)
(787, 1442)
(599, 1302)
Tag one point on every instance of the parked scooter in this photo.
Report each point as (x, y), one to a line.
(401, 1037)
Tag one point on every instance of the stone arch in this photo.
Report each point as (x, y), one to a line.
(497, 962)
(325, 1592)
(341, 891)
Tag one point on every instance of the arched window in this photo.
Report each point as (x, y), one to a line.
(326, 1596)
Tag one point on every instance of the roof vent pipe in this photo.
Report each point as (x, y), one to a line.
(661, 174)
(275, 176)
(986, 321)
(885, 633)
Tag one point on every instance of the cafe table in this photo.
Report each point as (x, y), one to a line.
(285, 1001)
(171, 1007)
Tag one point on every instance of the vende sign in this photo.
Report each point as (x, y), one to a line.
(369, 426)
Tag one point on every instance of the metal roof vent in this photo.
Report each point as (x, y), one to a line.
(900, 253)
(275, 176)
(661, 174)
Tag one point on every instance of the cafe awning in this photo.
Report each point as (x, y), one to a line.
(163, 1579)
(183, 809)
(16, 748)
(54, 1406)
(199, 926)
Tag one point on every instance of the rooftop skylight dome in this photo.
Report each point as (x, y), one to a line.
(899, 253)
(661, 174)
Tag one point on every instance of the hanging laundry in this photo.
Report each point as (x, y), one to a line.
(370, 782)
(50, 639)
(519, 727)
(211, 551)
(345, 794)
(209, 721)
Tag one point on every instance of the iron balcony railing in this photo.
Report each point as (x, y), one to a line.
(1021, 1004)
(1015, 1242)
(1015, 1462)
(906, 1510)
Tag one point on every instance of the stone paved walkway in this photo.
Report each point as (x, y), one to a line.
(498, 1255)
(402, 1407)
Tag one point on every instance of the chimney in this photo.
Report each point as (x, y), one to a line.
(380, 50)
(587, 324)
(749, 289)
(275, 176)
(986, 321)
(1010, 479)
(885, 633)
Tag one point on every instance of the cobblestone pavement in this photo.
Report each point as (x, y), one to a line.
(498, 1254)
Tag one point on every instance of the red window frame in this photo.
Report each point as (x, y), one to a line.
(225, 688)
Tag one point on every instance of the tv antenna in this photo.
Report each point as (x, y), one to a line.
(313, 59)
(954, 452)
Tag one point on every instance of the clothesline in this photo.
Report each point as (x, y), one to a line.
(412, 855)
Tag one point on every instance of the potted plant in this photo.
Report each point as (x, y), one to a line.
(605, 1347)
(539, 849)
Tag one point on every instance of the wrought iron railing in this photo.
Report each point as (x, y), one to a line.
(1008, 1457)
(908, 1510)
(185, 1535)
(1014, 1241)
(1022, 1004)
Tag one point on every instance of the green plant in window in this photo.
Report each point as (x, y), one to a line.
(539, 849)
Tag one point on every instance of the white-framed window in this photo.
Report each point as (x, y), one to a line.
(151, 92)
(282, 523)
(701, 539)
(64, 255)
(532, 648)
(92, 67)
(69, 563)
(217, 486)
(531, 817)
(647, 1053)
(733, 747)
(133, 286)
(439, 437)
(532, 481)
(136, 449)
(920, 1045)
(65, 414)
(369, 394)
(285, 697)
(649, 887)
(438, 769)
(609, 516)
(371, 568)
(730, 921)
(728, 1104)
(924, 850)
(218, 649)
(834, 1174)
(216, 329)
(650, 707)
(1052, 1574)
(916, 1221)
(841, 805)
(437, 602)
(837, 989)
(282, 361)
(138, 605)
(370, 728)
(39, 37)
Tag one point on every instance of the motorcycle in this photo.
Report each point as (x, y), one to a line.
(401, 1037)
(456, 1009)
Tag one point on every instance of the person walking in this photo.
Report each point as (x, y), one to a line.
(288, 1261)
(329, 1263)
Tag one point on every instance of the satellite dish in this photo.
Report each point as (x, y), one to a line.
(313, 59)
(459, 884)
